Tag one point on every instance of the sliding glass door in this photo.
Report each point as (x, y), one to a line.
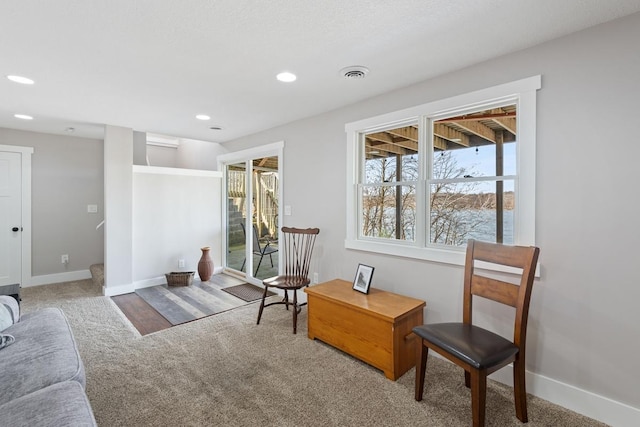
(252, 209)
(236, 202)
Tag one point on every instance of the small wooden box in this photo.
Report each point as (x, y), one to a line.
(374, 327)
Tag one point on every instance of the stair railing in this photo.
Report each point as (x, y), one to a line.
(266, 191)
(267, 201)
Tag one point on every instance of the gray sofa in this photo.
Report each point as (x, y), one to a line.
(42, 377)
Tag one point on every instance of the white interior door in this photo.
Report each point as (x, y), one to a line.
(10, 218)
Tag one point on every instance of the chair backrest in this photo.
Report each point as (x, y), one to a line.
(256, 240)
(297, 248)
(515, 295)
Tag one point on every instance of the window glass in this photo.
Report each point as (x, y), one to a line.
(471, 152)
(462, 211)
(389, 212)
(385, 149)
(388, 196)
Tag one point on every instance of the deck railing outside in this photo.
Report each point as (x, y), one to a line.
(266, 190)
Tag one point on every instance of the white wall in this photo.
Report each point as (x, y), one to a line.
(193, 154)
(175, 213)
(67, 175)
(118, 160)
(189, 154)
(162, 156)
(139, 148)
(584, 322)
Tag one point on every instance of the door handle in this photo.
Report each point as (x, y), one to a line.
(15, 229)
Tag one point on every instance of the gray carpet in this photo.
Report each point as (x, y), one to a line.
(226, 370)
(181, 304)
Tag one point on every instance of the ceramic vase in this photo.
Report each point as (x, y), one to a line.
(205, 265)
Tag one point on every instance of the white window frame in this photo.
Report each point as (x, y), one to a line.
(522, 93)
(360, 183)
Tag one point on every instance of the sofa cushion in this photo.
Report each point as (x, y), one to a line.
(44, 353)
(6, 317)
(12, 305)
(6, 340)
(62, 405)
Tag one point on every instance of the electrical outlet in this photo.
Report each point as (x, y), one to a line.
(64, 259)
(315, 277)
(180, 263)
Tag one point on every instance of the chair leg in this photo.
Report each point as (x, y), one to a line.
(243, 263)
(478, 396)
(519, 390)
(295, 310)
(271, 258)
(422, 352)
(286, 299)
(258, 267)
(264, 296)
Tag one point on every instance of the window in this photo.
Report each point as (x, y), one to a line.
(390, 176)
(424, 180)
(472, 181)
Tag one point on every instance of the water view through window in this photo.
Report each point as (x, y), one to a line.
(470, 184)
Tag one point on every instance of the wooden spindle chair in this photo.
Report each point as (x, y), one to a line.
(295, 251)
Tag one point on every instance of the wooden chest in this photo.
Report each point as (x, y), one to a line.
(375, 328)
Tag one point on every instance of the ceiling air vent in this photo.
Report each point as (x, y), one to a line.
(354, 72)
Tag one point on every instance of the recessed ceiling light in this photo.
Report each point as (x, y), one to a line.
(203, 117)
(21, 79)
(70, 129)
(286, 77)
(22, 116)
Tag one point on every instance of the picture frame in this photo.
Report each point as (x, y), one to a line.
(362, 281)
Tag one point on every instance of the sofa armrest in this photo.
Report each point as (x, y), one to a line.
(13, 306)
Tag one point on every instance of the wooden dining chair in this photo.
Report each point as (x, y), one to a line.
(479, 351)
(296, 249)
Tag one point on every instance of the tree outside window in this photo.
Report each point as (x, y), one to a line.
(470, 179)
(389, 193)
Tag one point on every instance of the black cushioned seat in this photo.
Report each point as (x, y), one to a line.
(478, 347)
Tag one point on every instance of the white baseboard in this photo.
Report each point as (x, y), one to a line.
(147, 283)
(68, 276)
(110, 291)
(584, 402)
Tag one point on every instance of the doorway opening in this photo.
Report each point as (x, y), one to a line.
(252, 213)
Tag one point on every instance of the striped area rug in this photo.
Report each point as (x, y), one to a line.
(181, 304)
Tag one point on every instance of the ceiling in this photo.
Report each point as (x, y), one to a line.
(153, 65)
